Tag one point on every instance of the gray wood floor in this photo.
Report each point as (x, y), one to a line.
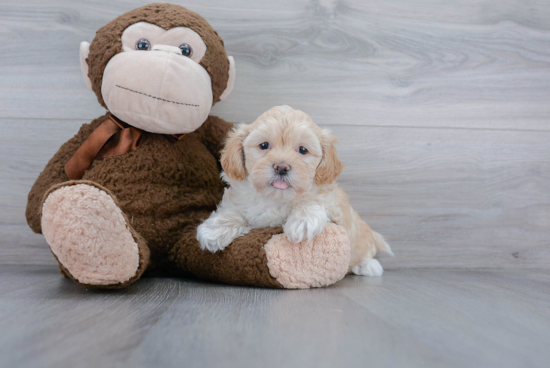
(407, 318)
(442, 112)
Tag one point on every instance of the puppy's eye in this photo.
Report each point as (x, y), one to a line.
(186, 50)
(143, 45)
(302, 150)
(263, 146)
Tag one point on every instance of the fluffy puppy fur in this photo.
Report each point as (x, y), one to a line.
(281, 170)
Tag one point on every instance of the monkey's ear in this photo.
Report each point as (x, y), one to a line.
(230, 80)
(84, 52)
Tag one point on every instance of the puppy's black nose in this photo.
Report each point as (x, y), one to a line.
(282, 169)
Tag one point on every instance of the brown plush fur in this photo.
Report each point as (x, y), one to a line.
(244, 262)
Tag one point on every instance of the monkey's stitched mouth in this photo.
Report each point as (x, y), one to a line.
(157, 98)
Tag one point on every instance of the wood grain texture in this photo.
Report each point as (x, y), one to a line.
(441, 110)
(429, 63)
(409, 318)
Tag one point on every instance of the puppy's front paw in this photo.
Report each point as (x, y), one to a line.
(213, 238)
(368, 267)
(305, 224)
(215, 235)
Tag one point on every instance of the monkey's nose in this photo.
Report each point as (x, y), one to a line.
(281, 168)
(167, 48)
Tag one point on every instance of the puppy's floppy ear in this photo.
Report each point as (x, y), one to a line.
(330, 166)
(232, 158)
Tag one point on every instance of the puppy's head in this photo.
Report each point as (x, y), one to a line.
(282, 153)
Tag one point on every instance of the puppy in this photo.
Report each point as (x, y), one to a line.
(281, 170)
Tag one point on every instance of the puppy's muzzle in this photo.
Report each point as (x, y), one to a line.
(281, 168)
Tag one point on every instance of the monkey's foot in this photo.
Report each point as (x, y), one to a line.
(321, 262)
(90, 237)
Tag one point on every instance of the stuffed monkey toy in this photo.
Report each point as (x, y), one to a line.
(126, 194)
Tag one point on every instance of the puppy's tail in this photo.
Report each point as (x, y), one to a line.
(381, 245)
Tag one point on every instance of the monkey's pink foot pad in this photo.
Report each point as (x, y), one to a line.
(88, 234)
(321, 262)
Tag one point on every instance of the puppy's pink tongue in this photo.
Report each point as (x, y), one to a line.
(280, 184)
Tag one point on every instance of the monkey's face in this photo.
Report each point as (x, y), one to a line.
(159, 81)
(153, 85)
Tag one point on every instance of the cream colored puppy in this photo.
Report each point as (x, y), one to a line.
(281, 171)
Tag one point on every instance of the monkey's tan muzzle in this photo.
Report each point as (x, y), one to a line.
(159, 91)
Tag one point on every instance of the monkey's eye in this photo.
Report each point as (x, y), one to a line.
(302, 150)
(143, 45)
(263, 146)
(186, 50)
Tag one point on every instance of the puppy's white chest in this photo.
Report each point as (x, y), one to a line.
(267, 216)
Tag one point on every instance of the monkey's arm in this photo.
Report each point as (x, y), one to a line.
(265, 258)
(213, 133)
(54, 173)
